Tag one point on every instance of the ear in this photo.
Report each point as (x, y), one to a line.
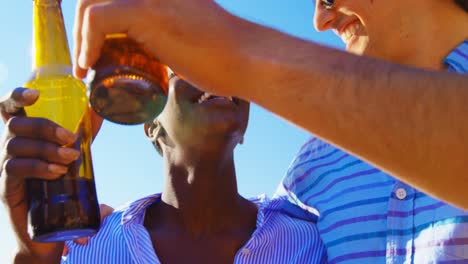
(146, 127)
(152, 131)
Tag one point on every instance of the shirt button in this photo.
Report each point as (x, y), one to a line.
(401, 193)
(245, 251)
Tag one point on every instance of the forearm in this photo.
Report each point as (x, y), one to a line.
(408, 122)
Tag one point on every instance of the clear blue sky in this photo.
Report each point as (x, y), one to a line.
(126, 165)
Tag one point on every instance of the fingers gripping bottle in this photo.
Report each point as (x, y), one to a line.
(66, 208)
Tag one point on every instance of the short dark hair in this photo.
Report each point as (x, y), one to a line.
(463, 4)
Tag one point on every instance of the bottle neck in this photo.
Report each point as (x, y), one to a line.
(50, 45)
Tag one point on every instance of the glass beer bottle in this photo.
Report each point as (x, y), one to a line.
(66, 208)
(128, 85)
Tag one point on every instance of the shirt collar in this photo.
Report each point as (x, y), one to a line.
(457, 60)
(134, 213)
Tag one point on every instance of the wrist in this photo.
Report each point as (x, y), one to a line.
(23, 257)
(48, 253)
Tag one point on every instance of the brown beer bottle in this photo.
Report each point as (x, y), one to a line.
(66, 208)
(129, 85)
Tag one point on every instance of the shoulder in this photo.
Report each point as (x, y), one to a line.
(314, 151)
(457, 60)
(280, 216)
(313, 147)
(289, 232)
(321, 173)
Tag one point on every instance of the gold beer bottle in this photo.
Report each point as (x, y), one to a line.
(129, 85)
(66, 208)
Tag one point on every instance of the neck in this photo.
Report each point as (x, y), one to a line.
(50, 40)
(442, 27)
(200, 195)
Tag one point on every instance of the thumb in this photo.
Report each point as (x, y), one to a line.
(12, 104)
(106, 210)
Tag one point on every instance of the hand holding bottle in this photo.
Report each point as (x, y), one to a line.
(192, 37)
(30, 147)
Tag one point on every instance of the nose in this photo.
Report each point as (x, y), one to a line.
(323, 18)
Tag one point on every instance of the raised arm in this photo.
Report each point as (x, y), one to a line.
(406, 121)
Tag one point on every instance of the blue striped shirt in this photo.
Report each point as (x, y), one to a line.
(285, 234)
(367, 216)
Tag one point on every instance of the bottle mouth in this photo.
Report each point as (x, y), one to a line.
(47, 2)
(127, 99)
(65, 235)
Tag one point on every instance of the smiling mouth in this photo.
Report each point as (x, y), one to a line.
(205, 97)
(349, 32)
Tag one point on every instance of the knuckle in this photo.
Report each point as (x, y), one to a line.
(92, 14)
(10, 146)
(48, 151)
(8, 166)
(41, 123)
(45, 127)
(11, 124)
(39, 166)
(17, 94)
(83, 3)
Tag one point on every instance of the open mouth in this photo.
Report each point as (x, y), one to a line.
(207, 97)
(350, 31)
